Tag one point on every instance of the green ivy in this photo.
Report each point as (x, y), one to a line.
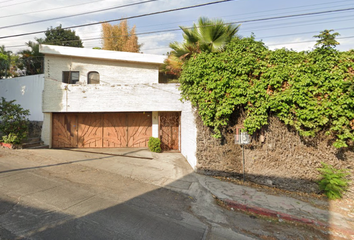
(310, 91)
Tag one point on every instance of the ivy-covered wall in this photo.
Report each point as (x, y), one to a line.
(298, 106)
(277, 156)
(310, 91)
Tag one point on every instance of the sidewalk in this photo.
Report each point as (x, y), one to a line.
(257, 202)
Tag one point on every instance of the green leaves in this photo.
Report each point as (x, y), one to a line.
(154, 144)
(311, 91)
(333, 181)
(14, 122)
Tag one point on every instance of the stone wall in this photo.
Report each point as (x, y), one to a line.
(277, 155)
(35, 129)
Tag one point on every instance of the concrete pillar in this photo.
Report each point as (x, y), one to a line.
(155, 124)
(47, 129)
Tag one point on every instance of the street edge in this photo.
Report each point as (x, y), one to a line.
(331, 228)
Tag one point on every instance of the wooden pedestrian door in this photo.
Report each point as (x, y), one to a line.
(169, 130)
(90, 130)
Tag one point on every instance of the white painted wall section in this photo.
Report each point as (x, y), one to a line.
(61, 97)
(189, 135)
(155, 124)
(111, 72)
(47, 129)
(27, 91)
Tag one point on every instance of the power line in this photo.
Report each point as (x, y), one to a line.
(78, 14)
(292, 34)
(6, 1)
(248, 13)
(51, 9)
(18, 3)
(296, 15)
(313, 22)
(303, 6)
(125, 18)
(178, 29)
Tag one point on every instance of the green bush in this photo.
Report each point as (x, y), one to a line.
(11, 138)
(13, 120)
(334, 182)
(154, 144)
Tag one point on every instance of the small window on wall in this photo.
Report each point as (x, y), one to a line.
(93, 78)
(71, 77)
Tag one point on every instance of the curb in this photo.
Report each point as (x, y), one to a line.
(331, 228)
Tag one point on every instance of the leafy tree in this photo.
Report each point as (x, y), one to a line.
(61, 37)
(14, 120)
(9, 64)
(32, 59)
(208, 36)
(327, 39)
(5, 62)
(119, 37)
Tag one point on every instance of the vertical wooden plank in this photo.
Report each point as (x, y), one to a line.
(90, 130)
(139, 129)
(114, 134)
(169, 130)
(64, 132)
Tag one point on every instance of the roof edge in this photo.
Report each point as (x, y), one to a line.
(101, 54)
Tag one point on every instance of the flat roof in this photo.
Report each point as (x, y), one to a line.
(101, 54)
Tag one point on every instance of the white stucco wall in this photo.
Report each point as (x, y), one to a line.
(189, 135)
(111, 72)
(60, 97)
(27, 91)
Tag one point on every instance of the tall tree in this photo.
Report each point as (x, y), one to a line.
(5, 61)
(61, 37)
(119, 37)
(9, 64)
(326, 39)
(208, 36)
(32, 59)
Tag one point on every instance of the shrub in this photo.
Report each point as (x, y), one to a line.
(11, 138)
(334, 182)
(154, 144)
(14, 120)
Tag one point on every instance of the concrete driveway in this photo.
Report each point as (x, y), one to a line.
(169, 170)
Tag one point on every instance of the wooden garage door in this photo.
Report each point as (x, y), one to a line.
(169, 130)
(64, 130)
(101, 130)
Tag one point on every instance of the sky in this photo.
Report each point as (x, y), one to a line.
(276, 22)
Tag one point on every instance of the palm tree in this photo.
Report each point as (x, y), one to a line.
(32, 59)
(209, 35)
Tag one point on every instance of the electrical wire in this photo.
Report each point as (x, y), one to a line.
(51, 9)
(78, 14)
(125, 18)
(18, 3)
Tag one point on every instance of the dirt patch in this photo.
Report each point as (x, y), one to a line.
(277, 156)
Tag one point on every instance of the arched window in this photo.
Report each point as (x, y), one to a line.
(93, 78)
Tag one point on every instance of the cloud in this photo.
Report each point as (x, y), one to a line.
(297, 44)
(157, 44)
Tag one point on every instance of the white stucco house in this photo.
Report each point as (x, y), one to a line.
(97, 98)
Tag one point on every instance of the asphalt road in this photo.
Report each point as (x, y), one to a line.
(60, 202)
(75, 195)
